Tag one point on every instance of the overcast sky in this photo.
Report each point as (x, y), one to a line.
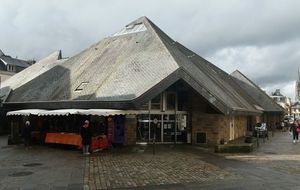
(259, 38)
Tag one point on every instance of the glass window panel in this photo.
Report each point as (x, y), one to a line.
(171, 100)
(145, 106)
(156, 102)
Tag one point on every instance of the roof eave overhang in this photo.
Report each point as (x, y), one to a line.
(135, 103)
(182, 74)
(276, 112)
(78, 104)
(246, 112)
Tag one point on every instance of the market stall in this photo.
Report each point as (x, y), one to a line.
(62, 126)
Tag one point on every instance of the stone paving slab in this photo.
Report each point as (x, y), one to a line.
(274, 165)
(279, 154)
(131, 170)
(40, 167)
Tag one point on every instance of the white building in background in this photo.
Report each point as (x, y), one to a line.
(295, 110)
(297, 88)
(282, 100)
(10, 66)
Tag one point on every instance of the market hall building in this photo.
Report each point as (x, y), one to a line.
(171, 93)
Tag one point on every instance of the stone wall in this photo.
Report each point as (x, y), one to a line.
(217, 127)
(130, 131)
(240, 126)
(273, 120)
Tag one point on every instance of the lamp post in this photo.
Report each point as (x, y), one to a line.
(155, 121)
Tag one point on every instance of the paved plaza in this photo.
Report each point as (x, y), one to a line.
(136, 169)
(39, 168)
(275, 165)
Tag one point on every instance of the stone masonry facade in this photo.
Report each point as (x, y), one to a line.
(130, 131)
(217, 127)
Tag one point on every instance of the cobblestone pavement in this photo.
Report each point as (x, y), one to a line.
(274, 165)
(174, 166)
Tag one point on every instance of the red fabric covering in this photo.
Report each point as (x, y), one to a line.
(98, 142)
(63, 138)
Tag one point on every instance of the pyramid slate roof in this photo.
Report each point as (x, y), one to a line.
(133, 65)
(29, 74)
(262, 99)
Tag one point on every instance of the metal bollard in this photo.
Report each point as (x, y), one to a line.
(153, 144)
(257, 138)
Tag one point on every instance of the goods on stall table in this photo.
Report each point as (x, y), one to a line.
(99, 143)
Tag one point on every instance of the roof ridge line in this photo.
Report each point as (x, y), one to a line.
(258, 88)
(152, 27)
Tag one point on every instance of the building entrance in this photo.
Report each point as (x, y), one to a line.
(164, 128)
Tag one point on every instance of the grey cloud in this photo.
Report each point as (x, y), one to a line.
(258, 37)
(267, 66)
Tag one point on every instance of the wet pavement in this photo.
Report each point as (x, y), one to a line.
(170, 165)
(274, 165)
(39, 167)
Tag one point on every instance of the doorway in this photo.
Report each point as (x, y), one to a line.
(164, 127)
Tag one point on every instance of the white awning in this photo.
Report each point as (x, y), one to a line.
(26, 112)
(66, 112)
(61, 112)
(107, 112)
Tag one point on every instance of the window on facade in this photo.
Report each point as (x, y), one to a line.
(156, 102)
(201, 137)
(182, 101)
(10, 68)
(171, 101)
(145, 106)
(133, 28)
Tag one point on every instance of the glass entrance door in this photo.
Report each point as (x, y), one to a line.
(156, 127)
(165, 128)
(181, 130)
(143, 129)
(168, 128)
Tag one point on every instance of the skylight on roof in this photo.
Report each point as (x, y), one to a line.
(132, 28)
(81, 86)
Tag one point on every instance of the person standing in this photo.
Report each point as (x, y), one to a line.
(86, 136)
(26, 133)
(294, 129)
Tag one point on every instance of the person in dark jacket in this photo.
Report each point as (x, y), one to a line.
(26, 133)
(86, 136)
(294, 129)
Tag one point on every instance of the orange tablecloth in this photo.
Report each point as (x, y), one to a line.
(63, 138)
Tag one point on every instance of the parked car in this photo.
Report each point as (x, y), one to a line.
(261, 129)
(288, 119)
